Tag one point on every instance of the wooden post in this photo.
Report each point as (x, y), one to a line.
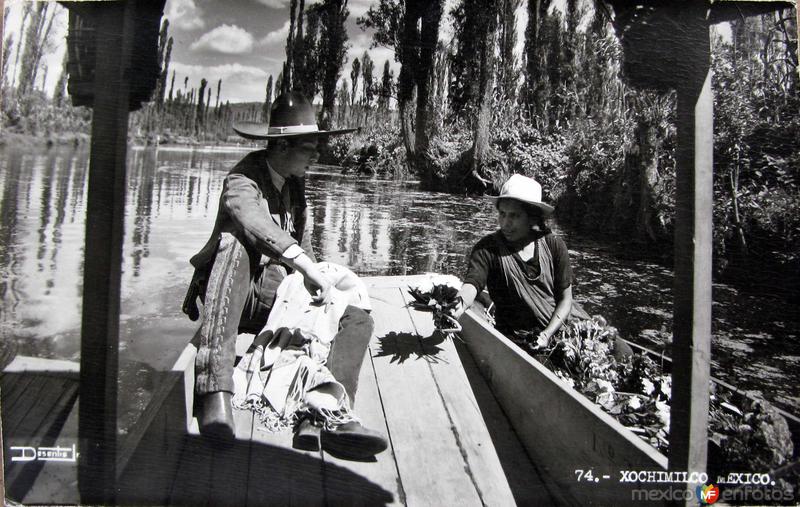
(97, 431)
(693, 235)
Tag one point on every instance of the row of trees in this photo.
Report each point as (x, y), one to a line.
(315, 55)
(472, 111)
(24, 106)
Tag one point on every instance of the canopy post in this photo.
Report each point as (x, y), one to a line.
(693, 250)
(97, 430)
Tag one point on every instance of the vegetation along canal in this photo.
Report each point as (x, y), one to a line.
(377, 227)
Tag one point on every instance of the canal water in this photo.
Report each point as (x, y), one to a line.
(377, 227)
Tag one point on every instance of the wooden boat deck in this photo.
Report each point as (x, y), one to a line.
(39, 411)
(450, 442)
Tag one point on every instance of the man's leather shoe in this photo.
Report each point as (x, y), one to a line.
(306, 438)
(353, 441)
(216, 417)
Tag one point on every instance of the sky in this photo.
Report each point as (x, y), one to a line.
(240, 41)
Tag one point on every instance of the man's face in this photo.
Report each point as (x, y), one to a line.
(300, 153)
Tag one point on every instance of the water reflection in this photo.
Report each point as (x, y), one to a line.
(375, 227)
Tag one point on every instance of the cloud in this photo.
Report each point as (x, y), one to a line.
(184, 14)
(276, 37)
(228, 39)
(358, 8)
(275, 4)
(240, 83)
(379, 55)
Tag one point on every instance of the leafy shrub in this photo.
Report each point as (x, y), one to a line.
(377, 152)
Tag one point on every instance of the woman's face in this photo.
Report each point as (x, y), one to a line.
(515, 224)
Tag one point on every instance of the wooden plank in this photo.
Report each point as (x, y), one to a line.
(280, 475)
(193, 478)
(222, 473)
(230, 465)
(431, 467)
(464, 415)
(105, 233)
(381, 473)
(14, 388)
(28, 364)
(387, 282)
(17, 422)
(694, 199)
(149, 474)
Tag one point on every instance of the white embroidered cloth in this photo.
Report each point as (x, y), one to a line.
(287, 358)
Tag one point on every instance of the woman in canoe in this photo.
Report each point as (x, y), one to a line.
(524, 266)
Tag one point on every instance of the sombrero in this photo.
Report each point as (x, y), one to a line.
(292, 115)
(527, 190)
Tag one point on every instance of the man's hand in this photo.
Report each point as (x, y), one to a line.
(317, 284)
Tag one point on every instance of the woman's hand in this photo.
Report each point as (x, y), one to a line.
(465, 297)
(542, 340)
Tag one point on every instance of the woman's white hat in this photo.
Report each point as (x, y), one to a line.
(524, 189)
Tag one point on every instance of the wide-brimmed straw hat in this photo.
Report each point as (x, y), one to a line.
(292, 115)
(524, 189)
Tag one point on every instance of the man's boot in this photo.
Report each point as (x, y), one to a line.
(216, 417)
(306, 438)
(353, 441)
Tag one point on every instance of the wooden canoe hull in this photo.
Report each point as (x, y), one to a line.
(561, 430)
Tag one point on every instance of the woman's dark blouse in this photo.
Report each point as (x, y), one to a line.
(485, 270)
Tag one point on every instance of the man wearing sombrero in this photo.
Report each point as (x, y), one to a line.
(258, 238)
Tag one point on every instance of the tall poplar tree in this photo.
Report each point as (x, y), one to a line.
(387, 86)
(367, 71)
(333, 47)
(355, 73)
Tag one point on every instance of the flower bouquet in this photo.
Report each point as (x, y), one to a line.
(441, 300)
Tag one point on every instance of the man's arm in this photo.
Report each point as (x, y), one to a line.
(243, 201)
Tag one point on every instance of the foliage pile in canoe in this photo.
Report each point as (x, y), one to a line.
(750, 437)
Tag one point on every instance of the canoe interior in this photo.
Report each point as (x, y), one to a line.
(450, 440)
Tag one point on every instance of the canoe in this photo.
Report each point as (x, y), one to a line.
(476, 421)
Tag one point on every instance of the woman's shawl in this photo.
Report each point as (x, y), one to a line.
(538, 293)
(287, 359)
